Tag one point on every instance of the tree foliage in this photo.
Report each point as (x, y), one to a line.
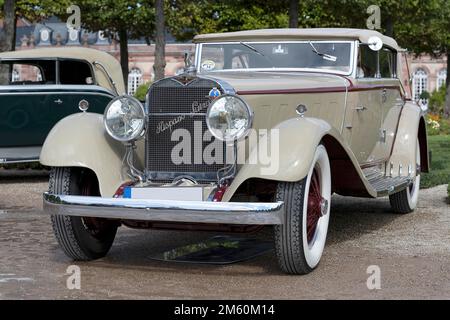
(121, 20)
(37, 10)
(422, 26)
(112, 16)
(187, 18)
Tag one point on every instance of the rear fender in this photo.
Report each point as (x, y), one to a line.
(410, 128)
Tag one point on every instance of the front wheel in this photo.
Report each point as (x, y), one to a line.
(300, 241)
(80, 238)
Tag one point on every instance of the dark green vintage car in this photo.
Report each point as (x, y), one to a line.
(42, 86)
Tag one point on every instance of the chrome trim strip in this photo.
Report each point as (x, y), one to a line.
(18, 160)
(168, 211)
(81, 87)
(54, 89)
(56, 93)
(19, 154)
(110, 79)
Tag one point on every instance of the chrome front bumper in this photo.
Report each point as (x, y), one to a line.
(242, 213)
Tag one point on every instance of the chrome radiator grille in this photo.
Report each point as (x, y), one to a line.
(171, 106)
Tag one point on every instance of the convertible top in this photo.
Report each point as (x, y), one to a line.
(90, 55)
(362, 35)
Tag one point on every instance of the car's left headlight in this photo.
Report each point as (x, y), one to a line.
(229, 118)
(124, 118)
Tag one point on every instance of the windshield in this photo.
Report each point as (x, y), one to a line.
(326, 56)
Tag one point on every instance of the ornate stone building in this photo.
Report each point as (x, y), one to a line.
(428, 74)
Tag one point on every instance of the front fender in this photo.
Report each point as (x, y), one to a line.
(298, 139)
(80, 140)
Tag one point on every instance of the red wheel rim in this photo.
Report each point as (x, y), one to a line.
(93, 225)
(314, 210)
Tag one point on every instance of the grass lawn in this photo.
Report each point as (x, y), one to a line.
(440, 162)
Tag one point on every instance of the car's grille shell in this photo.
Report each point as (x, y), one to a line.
(181, 105)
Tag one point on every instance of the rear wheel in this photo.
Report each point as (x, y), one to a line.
(406, 200)
(300, 241)
(80, 238)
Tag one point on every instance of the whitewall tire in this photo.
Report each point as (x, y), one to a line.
(300, 241)
(406, 200)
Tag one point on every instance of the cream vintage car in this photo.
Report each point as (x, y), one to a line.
(260, 130)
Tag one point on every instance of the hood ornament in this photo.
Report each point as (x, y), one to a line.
(190, 71)
(189, 66)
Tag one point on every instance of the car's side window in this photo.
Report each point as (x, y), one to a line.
(75, 72)
(387, 63)
(376, 64)
(28, 72)
(23, 73)
(367, 62)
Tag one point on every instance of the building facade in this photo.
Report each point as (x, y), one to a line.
(428, 74)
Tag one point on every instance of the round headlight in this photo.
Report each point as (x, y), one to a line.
(124, 118)
(229, 118)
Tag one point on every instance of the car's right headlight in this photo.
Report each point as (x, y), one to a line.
(124, 118)
(229, 118)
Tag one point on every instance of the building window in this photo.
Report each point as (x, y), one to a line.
(134, 80)
(420, 83)
(441, 78)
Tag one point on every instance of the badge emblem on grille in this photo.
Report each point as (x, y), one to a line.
(214, 93)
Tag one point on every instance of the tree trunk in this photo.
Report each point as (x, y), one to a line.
(7, 36)
(293, 13)
(389, 27)
(160, 41)
(447, 95)
(123, 42)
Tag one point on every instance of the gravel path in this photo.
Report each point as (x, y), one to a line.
(412, 252)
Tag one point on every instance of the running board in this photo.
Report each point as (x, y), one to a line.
(388, 185)
(385, 185)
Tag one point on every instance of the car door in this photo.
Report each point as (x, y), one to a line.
(366, 121)
(24, 114)
(392, 101)
(392, 105)
(67, 99)
(77, 83)
(366, 113)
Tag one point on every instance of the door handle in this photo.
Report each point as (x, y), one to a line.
(59, 101)
(384, 95)
(360, 108)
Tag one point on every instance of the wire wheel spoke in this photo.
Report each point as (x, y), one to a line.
(314, 211)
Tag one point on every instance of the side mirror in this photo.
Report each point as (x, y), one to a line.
(375, 43)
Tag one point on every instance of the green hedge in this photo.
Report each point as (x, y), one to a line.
(448, 192)
(440, 162)
(141, 91)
